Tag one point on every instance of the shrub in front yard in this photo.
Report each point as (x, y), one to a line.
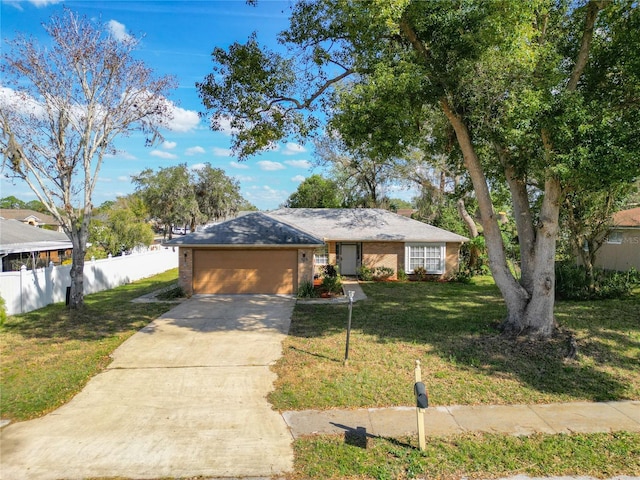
(332, 284)
(383, 273)
(572, 283)
(365, 273)
(307, 290)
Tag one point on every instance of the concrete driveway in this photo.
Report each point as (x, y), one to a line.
(185, 396)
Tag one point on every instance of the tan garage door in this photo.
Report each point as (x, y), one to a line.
(245, 271)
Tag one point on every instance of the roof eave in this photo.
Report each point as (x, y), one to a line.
(250, 245)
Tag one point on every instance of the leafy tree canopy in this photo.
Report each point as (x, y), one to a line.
(541, 96)
(315, 192)
(178, 196)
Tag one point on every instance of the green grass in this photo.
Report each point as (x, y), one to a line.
(452, 330)
(48, 355)
(600, 455)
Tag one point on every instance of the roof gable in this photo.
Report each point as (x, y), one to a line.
(363, 224)
(24, 215)
(254, 228)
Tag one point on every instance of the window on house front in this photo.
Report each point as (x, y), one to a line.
(430, 256)
(321, 256)
(615, 238)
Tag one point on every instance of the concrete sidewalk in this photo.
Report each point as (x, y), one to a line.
(578, 417)
(183, 397)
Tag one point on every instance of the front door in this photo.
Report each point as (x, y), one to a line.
(349, 259)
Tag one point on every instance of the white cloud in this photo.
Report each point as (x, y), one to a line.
(270, 166)
(244, 178)
(298, 179)
(293, 149)
(198, 166)
(298, 163)
(402, 192)
(191, 151)
(165, 155)
(21, 103)
(169, 145)
(35, 3)
(239, 166)
(118, 31)
(44, 3)
(225, 126)
(124, 178)
(122, 155)
(182, 120)
(265, 196)
(221, 152)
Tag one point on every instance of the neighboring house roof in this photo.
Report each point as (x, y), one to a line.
(406, 212)
(17, 237)
(26, 216)
(363, 224)
(627, 218)
(252, 229)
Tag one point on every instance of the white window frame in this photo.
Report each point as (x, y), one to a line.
(615, 238)
(428, 249)
(321, 256)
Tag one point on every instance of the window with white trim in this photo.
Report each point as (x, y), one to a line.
(431, 256)
(615, 238)
(321, 256)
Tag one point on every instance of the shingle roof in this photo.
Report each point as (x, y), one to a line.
(23, 214)
(252, 229)
(17, 237)
(627, 218)
(363, 224)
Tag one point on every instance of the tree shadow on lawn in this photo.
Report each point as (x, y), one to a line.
(459, 322)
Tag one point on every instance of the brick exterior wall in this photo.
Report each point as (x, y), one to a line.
(185, 270)
(383, 254)
(452, 259)
(305, 266)
(333, 258)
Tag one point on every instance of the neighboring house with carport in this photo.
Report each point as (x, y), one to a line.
(23, 244)
(274, 252)
(621, 249)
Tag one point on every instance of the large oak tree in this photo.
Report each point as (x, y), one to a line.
(541, 96)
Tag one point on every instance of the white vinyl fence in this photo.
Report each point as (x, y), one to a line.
(29, 290)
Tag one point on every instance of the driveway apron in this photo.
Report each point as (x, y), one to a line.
(185, 396)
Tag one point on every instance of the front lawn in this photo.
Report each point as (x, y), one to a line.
(451, 329)
(49, 354)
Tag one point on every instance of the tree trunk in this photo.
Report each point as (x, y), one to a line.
(538, 319)
(528, 311)
(523, 219)
(588, 271)
(466, 218)
(79, 242)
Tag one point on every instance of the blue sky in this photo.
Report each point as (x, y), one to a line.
(178, 37)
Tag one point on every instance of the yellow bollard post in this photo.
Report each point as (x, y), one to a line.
(420, 411)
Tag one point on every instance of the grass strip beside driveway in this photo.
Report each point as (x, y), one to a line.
(48, 355)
